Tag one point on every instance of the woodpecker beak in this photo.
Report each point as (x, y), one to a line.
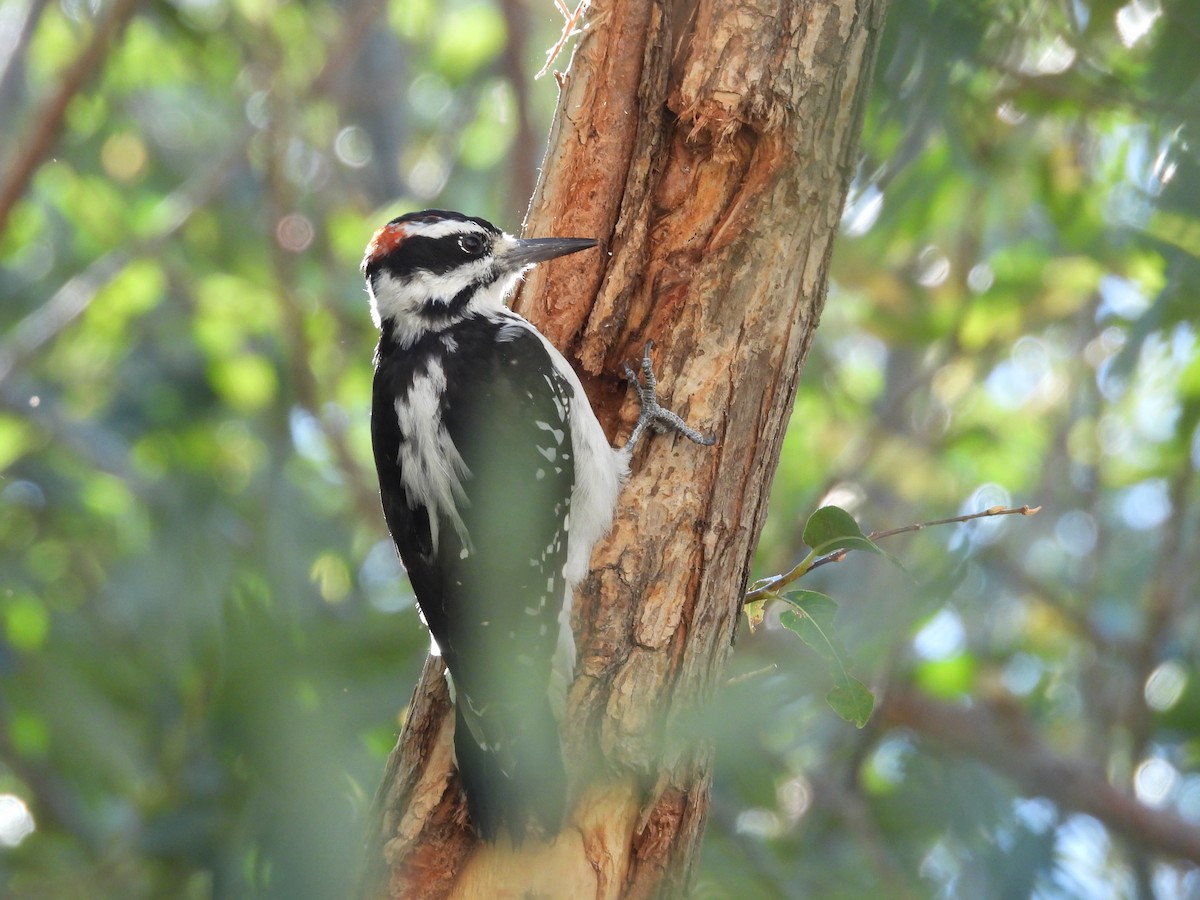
(521, 253)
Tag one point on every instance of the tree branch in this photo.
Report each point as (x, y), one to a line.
(12, 66)
(775, 583)
(523, 167)
(73, 298)
(1000, 736)
(76, 295)
(35, 146)
(1026, 510)
(709, 147)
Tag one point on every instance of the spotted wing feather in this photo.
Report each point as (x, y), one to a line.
(488, 575)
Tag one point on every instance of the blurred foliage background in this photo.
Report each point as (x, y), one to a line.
(206, 643)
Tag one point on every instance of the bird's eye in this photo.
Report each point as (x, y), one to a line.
(471, 243)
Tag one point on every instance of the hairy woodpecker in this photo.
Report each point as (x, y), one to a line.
(496, 480)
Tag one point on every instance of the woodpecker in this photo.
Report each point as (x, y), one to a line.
(496, 481)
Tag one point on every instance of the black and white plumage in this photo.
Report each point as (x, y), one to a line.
(496, 480)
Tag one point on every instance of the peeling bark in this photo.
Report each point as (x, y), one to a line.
(709, 146)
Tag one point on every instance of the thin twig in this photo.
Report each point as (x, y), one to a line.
(12, 65)
(749, 676)
(280, 198)
(35, 147)
(359, 25)
(100, 447)
(772, 585)
(990, 511)
(73, 298)
(839, 555)
(524, 157)
(571, 20)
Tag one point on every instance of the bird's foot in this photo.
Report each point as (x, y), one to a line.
(652, 414)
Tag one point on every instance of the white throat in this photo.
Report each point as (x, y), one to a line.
(413, 304)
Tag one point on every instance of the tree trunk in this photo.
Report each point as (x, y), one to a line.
(709, 145)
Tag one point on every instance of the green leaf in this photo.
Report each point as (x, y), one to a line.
(811, 618)
(832, 528)
(852, 700)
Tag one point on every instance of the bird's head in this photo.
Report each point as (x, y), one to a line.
(426, 270)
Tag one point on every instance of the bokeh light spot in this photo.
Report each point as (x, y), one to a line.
(294, 233)
(16, 821)
(123, 156)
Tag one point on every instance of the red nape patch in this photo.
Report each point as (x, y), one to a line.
(386, 239)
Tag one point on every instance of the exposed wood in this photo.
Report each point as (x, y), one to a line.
(709, 145)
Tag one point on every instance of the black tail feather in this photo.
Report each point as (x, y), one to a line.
(532, 797)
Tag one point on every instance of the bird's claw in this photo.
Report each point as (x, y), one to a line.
(652, 415)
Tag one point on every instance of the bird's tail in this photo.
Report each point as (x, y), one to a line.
(517, 779)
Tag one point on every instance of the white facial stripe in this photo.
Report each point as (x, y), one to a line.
(408, 302)
(443, 227)
(412, 303)
(424, 286)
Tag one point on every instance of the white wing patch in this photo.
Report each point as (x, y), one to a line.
(431, 469)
